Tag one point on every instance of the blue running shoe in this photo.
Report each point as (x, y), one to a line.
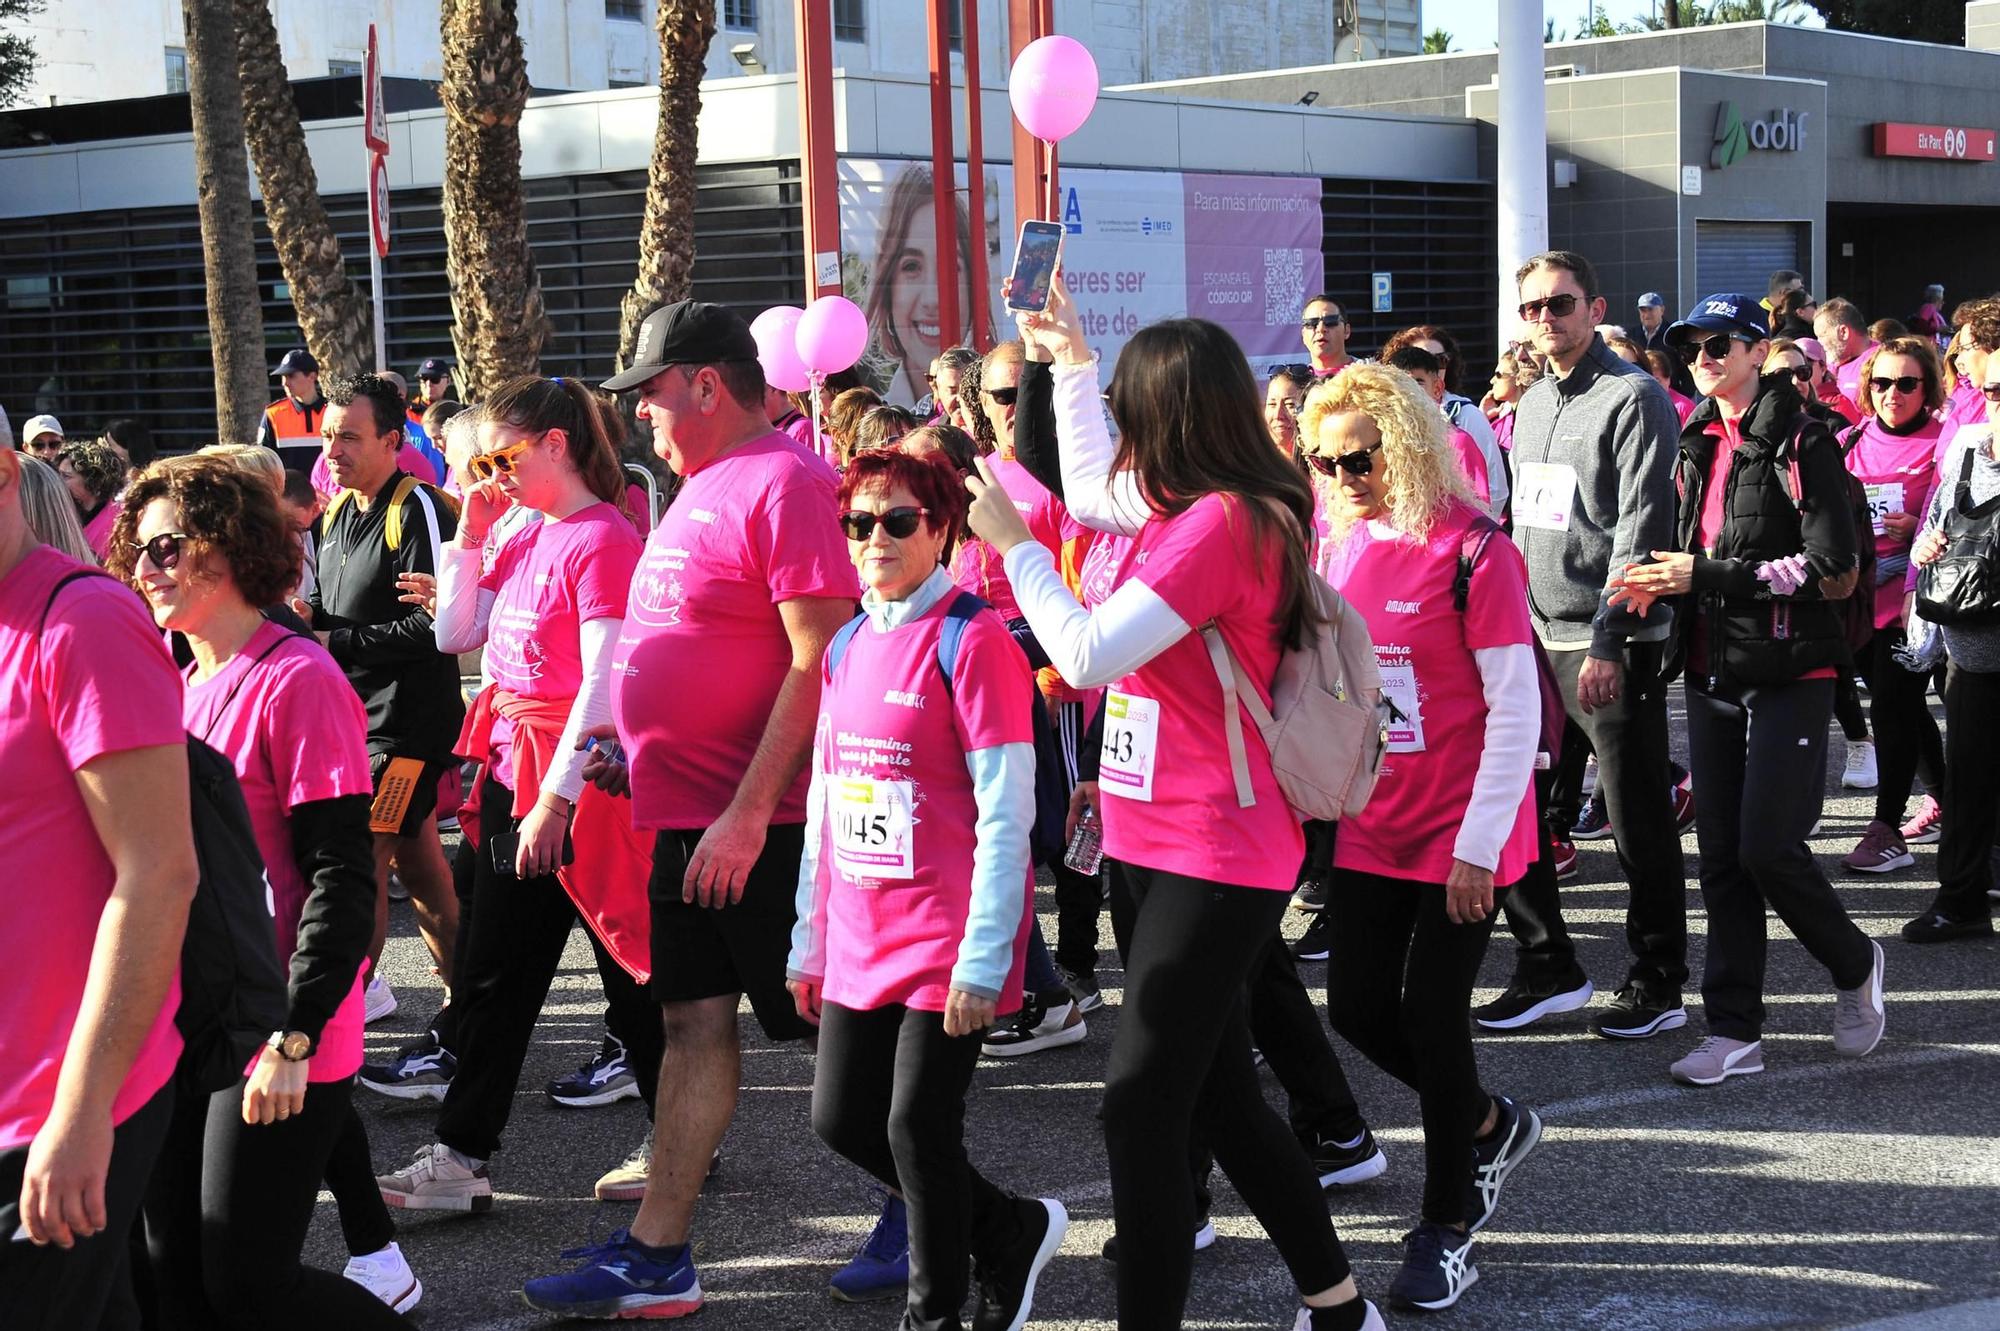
(881, 1269)
(618, 1279)
(1593, 824)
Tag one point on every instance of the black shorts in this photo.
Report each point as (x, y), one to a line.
(701, 952)
(423, 797)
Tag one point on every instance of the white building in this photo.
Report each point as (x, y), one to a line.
(578, 45)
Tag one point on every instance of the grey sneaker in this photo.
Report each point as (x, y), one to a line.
(1857, 1013)
(1718, 1057)
(436, 1180)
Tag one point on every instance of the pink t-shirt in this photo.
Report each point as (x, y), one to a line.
(97, 532)
(1402, 588)
(294, 735)
(1472, 463)
(1503, 430)
(1050, 523)
(1727, 435)
(704, 651)
(1898, 471)
(1966, 405)
(1848, 373)
(976, 566)
(898, 836)
(93, 678)
(1170, 801)
(1683, 405)
(549, 579)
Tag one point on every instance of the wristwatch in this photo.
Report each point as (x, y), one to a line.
(292, 1046)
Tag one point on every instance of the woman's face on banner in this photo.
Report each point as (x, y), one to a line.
(913, 308)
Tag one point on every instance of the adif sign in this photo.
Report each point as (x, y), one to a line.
(1781, 131)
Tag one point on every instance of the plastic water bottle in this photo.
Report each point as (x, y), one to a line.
(1086, 845)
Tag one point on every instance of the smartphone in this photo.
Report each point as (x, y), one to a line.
(506, 852)
(1035, 255)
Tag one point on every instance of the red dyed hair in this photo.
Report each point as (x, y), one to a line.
(929, 477)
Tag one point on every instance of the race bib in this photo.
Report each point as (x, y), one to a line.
(1544, 494)
(872, 824)
(1131, 740)
(1883, 500)
(1406, 723)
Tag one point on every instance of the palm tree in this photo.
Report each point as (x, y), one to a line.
(222, 196)
(1437, 42)
(498, 323)
(332, 312)
(666, 237)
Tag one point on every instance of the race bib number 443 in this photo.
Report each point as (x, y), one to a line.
(1131, 742)
(1544, 495)
(873, 827)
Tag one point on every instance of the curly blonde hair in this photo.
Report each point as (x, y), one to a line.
(1424, 473)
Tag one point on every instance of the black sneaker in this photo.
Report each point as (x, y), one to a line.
(1342, 1164)
(1934, 926)
(1204, 1238)
(1515, 1134)
(1037, 1026)
(1007, 1279)
(1521, 1004)
(604, 1080)
(1633, 1014)
(1437, 1268)
(1317, 941)
(1082, 988)
(420, 1071)
(1311, 895)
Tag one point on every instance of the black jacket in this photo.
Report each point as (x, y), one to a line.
(1754, 637)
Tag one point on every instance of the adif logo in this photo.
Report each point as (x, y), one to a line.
(1779, 131)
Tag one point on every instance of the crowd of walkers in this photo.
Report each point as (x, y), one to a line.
(1198, 648)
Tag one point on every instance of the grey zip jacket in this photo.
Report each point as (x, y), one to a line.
(1614, 427)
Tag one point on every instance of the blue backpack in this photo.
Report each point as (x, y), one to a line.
(1046, 841)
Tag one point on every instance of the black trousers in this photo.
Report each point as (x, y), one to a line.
(227, 1214)
(1629, 737)
(1180, 1070)
(1971, 793)
(365, 1224)
(1907, 743)
(1847, 706)
(1285, 1026)
(1544, 956)
(1399, 989)
(62, 1289)
(889, 1092)
(1759, 757)
(1079, 897)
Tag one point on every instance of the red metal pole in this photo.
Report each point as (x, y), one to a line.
(944, 203)
(975, 186)
(1034, 174)
(819, 180)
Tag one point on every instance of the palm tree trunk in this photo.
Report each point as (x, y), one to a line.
(498, 322)
(222, 195)
(666, 237)
(332, 312)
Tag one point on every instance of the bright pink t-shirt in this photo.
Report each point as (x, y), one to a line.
(294, 736)
(704, 651)
(977, 567)
(1848, 373)
(1170, 800)
(93, 678)
(1472, 463)
(1503, 430)
(1966, 405)
(1424, 645)
(1899, 471)
(898, 835)
(97, 532)
(549, 579)
(1683, 405)
(1728, 437)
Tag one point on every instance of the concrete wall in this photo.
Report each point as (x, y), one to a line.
(1982, 25)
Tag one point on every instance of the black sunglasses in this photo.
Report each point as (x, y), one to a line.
(900, 523)
(1991, 392)
(1299, 373)
(1715, 348)
(1802, 373)
(1560, 306)
(1004, 396)
(1310, 322)
(1907, 383)
(164, 550)
(1358, 463)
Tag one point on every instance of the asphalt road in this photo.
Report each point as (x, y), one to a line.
(1825, 1193)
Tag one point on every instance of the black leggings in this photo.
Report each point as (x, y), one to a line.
(889, 1094)
(1847, 706)
(1181, 1068)
(227, 1214)
(1907, 743)
(1399, 988)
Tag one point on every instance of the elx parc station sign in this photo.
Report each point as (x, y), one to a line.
(1951, 143)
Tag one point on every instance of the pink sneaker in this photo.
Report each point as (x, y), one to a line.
(1924, 830)
(1881, 850)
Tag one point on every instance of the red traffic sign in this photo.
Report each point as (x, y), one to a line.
(374, 116)
(1951, 143)
(378, 202)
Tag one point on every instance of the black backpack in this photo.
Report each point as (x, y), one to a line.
(233, 992)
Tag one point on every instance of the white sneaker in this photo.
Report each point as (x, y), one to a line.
(1860, 773)
(437, 1180)
(627, 1182)
(397, 892)
(1371, 1320)
(1718, 1058)
(388, 1277)
(379, 1000)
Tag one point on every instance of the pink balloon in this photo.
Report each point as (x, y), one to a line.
(776, 331)
(831, 335)
(1053, 87)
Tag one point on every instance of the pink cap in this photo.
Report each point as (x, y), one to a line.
(1812, 348)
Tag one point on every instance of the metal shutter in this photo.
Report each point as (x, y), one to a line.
(1741, 256)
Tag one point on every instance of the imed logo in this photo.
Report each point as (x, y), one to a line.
(1732, 141)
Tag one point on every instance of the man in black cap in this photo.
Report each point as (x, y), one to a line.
(433, 387)
(291, 424)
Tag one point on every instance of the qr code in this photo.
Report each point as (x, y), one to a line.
(1284, 286)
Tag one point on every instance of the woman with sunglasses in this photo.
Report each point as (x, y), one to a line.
(915, 891)
(1452, 820)
(1219, 527)
(1765, 535)
(205, 542)
(547, 609)
(1893, 453)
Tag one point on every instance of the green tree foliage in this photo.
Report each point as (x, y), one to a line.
(17, 53)
(1437, 42)
(1919, 20)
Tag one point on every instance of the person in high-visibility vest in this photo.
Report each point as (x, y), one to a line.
(291, 424)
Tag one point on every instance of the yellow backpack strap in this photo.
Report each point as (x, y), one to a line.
(333, 507)
(392, 525)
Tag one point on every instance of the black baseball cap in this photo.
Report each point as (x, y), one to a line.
(297, 361)
(434, 368)
(688, 332)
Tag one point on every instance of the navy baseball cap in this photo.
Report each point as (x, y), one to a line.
(297, 361)
(1725, 312)
(1652, 300)
(687, 332)
(434, 368)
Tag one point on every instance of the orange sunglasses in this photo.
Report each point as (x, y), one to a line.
(484, 466)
